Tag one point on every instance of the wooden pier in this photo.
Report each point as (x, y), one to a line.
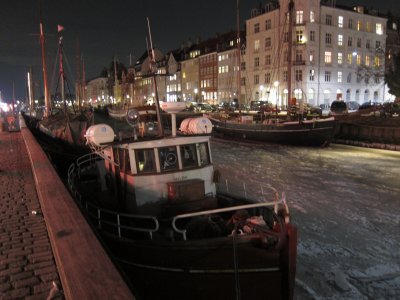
(47, 249)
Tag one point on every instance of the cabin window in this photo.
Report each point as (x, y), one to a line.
(145, 161)
(189, 156)
(204, 155)
(168, 158)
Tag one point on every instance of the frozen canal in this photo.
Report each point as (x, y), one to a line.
(345, 202)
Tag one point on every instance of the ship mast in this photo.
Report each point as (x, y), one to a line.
(238, 55)
(290, 44)
(46, 90)
(153, 71)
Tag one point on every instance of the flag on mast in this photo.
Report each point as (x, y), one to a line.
(60, 28)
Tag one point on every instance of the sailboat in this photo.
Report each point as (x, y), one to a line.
(314, 132)
(173, 224)
(60, 131)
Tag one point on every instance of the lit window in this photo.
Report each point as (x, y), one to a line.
(367, 60)
(312, 75)
(377, 61)
(312, 54)
(299, 36)
(312, 17)
(358, 59)
(339, 76)
(359, 25)
(299, 17)
(256, 45)
(340, 58)
(349, 58)
(368, 27)
(340, 39)
(379, 29)
(340, 21)
(328, 57)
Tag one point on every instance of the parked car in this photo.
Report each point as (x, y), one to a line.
(352, 106)
(338, 107)
(369, 104)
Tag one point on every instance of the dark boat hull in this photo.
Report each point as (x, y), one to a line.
(221, 268)
(308, 133)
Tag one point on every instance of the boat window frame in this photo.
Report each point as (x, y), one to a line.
(208, 154)
(173, 164)
(195, 164)
(139, 170)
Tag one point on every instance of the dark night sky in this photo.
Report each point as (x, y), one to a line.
(105, 27)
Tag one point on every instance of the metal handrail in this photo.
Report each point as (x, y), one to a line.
(75, 170)
(216, 211)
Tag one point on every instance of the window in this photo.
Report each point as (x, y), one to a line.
(299, 56)
(349, 58)
(350, 42)
(350, 24)
(340, 21)
(268, 24)
(312, 17)
(256, 61)
(256, 79)
(189, 156)
(328, 20)
(285, 76)
(377, 44)
(312, 55)
(327, 76)
(299, 17)
(340, 58)
(268, 77)
(299, 36)
(312, 36)
(204, 154)
(359, 43)
(286, 37)
(268, 42)
(256, 28)
(328, 57)
(367, 60)
(359, 25)
(349, 78)
(368, 27)
(339, 76)
(299, 75)
(268, 59)
(285, 56)
(379, 28)
(377, 61)
(340, 39)
(168, 158)
(367, 44)
(312, 75)
(328, 38)
(145, 161)
(256, 45)
(358, 59)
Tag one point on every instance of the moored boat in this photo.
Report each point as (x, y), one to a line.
(316, 132)
(178, 229)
